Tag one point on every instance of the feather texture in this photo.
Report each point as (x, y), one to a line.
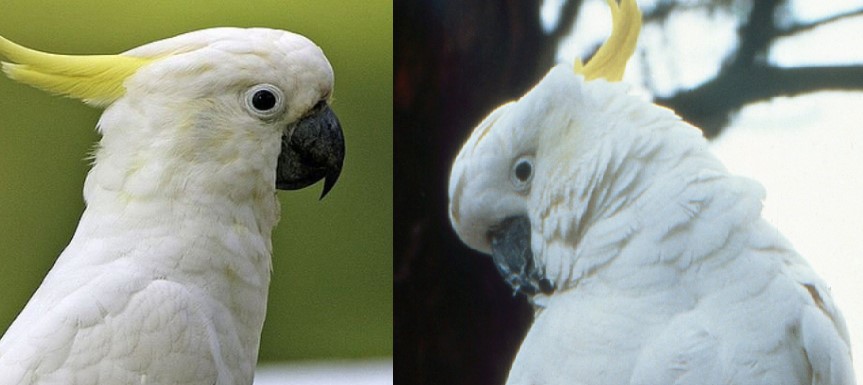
(165, 280)
(95, 79)
(663, 268)
(609, 62)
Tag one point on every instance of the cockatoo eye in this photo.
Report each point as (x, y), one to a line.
(522, 172)
(265, 101)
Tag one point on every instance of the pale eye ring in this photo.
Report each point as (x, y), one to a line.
(522, 172)
(264, 101)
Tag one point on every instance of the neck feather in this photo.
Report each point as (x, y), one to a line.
(654, 195)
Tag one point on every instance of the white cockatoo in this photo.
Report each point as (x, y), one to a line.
(646, 261)
(165, 280)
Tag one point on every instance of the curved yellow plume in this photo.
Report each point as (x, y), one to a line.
(95, 79)
(609, 62)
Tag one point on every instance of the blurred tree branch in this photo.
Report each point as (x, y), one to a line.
(710, 105)
(805, 27)
(748, 78)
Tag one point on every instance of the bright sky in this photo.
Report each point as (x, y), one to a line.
(807, 151)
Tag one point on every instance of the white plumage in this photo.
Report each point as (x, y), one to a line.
(659, 268)
(165, 280)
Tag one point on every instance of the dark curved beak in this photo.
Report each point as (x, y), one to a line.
(313, 150)
(510, 250)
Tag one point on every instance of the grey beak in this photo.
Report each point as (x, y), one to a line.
(315, 150)
(510, 250)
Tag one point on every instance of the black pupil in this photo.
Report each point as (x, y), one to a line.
(522, 170)
(263, 100)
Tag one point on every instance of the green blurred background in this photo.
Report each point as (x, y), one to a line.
(331, 293)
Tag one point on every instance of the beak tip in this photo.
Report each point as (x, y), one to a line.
(330, 182)
(314, 150)
(327, 188)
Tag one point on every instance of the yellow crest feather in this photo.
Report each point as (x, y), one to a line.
(609, 62)
(95, 79)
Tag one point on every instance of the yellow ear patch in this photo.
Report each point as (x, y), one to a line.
(95, 79)
(609, 62)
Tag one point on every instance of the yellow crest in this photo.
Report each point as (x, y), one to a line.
(609, 62)
(95, 79)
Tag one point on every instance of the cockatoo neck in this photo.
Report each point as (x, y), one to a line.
(168, 179)
(183, 209)
(156, 157)
(651, 184)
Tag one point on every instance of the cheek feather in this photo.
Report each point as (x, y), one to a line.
(455, 205)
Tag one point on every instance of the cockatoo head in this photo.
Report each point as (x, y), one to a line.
(491, 184)
(240, 111)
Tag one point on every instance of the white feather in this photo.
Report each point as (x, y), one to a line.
(165, 280)
(664, 270)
